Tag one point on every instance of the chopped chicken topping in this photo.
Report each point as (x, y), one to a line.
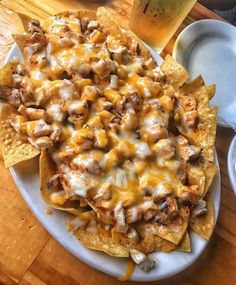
(105, 112)
(119, 215)
(42, 142)
(146, 263)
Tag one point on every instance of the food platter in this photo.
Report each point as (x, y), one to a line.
(168, 264)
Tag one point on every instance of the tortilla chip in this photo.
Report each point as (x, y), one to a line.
(204, 135)
(199, 90)
(6, 73)
(77, 13)
(154, 243)
(144, 52)
(21, 41)
(204, 225)
(14, 148)
(210, 172)
(149, 241)
(173, 232)
(175, 72)
(109, 25)
(101, 243)
(185, 244)
(25, 20)
(196, 176)
(46, 171)
(101, 216)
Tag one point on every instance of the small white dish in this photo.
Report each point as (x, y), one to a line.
(26, 177)
(231, 163)
(208, 47)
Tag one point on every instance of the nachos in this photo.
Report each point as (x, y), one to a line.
(126, 146)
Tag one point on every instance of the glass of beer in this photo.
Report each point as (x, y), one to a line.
(155, 21)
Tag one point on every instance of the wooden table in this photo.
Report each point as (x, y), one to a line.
(29, 255)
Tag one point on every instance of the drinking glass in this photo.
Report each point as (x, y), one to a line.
(155, 21)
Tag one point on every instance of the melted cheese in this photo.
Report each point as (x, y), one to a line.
(95, 140)
(128, 271)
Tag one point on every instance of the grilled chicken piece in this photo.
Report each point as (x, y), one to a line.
(58, 198)
(38, 128)
(160, 192)
(134, 101)
(133, 214)
(188, 103)
(133, 235)
(84, 69)
(146, 263)
(56, 133)
(103, 193)
(101, 139)
(25, 96)
(78, 107)
(17, 79)
(34, 26)
(76, 184)
(185, 151)
(199, 209)
(66, 156)
(84, 24)
(54, 181)
(129, 120)
(119, 53)
(158, 74)
(21, 70)
(36, 42)
(189, 196)
(97, 37)
(41, 142)
(119, 216)
(34, 114)
(14, 98)
(90, 93)
(106, 118)
(114, 82)
(57, 112)
(143, 150)
(165, 149)
(92, 25)
(87, 164)
(103, 67)
(103, 104)
(112, 158)
(190, 118)
(153, 133)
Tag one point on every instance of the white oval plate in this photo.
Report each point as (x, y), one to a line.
(26, 176)
(208, 47)
(232, 163)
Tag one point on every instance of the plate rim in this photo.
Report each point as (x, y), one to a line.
(186, 31)
(230, 164)
(145, 277)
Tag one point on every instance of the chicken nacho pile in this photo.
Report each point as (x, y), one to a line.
(125, 145)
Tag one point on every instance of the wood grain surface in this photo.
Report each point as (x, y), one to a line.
(29, 255)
